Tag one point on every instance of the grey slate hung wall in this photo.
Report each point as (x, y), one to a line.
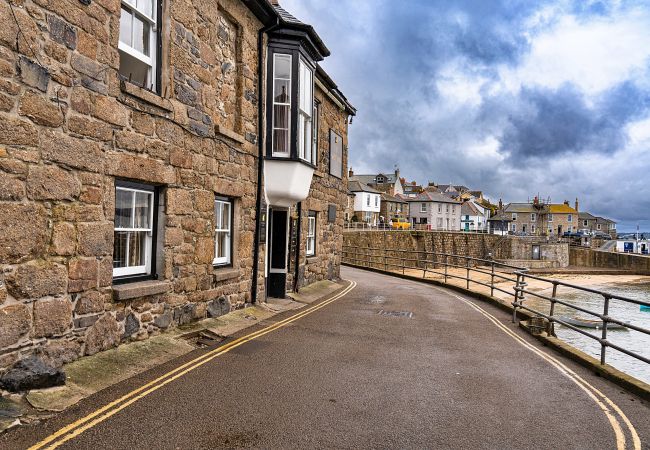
(72, 131)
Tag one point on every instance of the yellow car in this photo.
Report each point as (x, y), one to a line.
(401, 224)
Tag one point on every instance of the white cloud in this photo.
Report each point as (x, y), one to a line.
(594, 53)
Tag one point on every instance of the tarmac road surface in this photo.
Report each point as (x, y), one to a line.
(391, 364)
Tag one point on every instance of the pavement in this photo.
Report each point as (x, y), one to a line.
(392, 363)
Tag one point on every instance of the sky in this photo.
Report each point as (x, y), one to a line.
(516, 98)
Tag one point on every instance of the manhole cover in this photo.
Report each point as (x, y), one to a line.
(406, 314)
(203, 338)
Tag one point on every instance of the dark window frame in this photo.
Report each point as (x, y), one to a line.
(153, 275)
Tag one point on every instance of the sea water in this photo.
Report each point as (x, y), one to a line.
(631, 340)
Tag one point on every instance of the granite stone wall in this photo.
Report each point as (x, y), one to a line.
(69, 128)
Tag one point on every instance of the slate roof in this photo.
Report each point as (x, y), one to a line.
(428, 196)
(356, 186)
(469, 209)
(390, 198)
(586, 216)
(389, 178)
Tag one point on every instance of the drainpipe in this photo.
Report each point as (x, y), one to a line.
(297, 264)
(260, 158)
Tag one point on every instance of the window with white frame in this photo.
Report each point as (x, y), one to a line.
(423, 207)
(281, 104)
(447, 208)
(550, 217)
(439, 207)
(532, 228)
(569, 218)
(439, 222)
(513, 227)
(138, 42)
(367, 199)
(223, 211)
(311, 234)
(598, 227)
(133, 230)
(305, 112)
(584, 223)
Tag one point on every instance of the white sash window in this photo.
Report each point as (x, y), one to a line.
(222, 232)
(138, 42)
(311, 234)
(132, 248)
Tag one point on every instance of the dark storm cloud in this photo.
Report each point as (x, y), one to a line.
(552, 122)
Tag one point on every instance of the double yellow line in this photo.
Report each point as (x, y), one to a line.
(607, 406)
(76, 428)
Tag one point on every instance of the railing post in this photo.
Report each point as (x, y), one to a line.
(514, 303)
(492, 281)
(446, 262)
(550, 329)
(467, 264)
(403, 266)
(603, 344)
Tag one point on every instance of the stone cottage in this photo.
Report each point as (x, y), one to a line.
(160, 162)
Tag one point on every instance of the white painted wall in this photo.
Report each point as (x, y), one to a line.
(361, 202)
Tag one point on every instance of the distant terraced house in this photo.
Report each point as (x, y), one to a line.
(152, 158)
(535, 218)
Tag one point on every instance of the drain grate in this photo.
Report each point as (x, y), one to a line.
(203, 338)
(406, 314)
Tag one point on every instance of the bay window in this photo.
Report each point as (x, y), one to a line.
(311, 234)
(133, 230)
(138, 42)
(292, 107)
(223, 211)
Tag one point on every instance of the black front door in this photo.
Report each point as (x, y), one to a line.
(278, 254)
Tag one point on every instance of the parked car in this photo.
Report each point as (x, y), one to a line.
(401, 224)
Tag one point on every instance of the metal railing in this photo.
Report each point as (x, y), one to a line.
(392, 259)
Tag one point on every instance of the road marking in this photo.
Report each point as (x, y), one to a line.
(577, 379)
(78, 427)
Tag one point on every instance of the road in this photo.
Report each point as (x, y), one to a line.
(391, 364)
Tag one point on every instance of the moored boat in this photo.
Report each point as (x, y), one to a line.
(588, 323)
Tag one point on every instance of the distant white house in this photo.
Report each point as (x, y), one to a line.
(473, 217)
(435, 210)
(367, 202)
(640, 246)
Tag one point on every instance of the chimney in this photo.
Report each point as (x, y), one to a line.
(500, 205)
(577, 204)
(350, 172)
(566, 202)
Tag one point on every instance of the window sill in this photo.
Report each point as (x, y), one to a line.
(145, 95)
(230, 134)
(312, 259)
(225, 273)
(140, 289)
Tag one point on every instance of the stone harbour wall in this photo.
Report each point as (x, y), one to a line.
(69, 128)
(589, 258)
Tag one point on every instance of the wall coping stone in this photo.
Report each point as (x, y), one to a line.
(225, 273)
(145, 95)
(230, 134)
(140, 289)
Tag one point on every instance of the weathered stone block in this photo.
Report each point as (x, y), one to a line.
(87, 66)
(95, 239)
(15, 321)
(179, 201)
(204, 200)
(90, 302)
(164, 320)
(91, 128)
(58, 353)
(110, 110)
(24, 231)
(64, 239)
(33, 74)
(140, 168)
(14, 131)
(218, 307)
(129, 141)
(40, 110)
(37, 279)
(73, 152)
(104, 334)
(52, 317)
(184, 314)
(204, 250)
(61, 32)
(11, 188)
(52, 183)
(131, 325)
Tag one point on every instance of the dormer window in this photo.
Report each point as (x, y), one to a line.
(292, 107)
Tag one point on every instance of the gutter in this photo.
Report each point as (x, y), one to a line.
(260, 157)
